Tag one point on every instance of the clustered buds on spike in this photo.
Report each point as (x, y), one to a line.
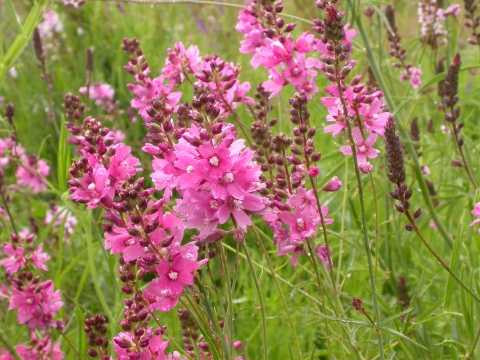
(396, 168)
(472, 21)
(96, 330)
(415, 134)
(402, 293)
(450, 90)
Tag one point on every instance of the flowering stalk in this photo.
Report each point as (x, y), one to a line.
(411, 150)
(472, 20)
(334, 39)
(402, 194)
(410, 73)
(37, 45)
(449, 100)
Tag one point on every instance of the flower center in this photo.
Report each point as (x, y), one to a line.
(229, 177)
(214, 204)
(214, 161)
(173, 275)
(301, 224)
(190, 169)
(238, 204)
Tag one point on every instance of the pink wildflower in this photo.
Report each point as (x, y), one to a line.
(51, 24)
(39, 257)
(373, 117)
(153, 88)
(15, 260)
(412, 74)
(364, 148)
(32, 173)
(476, 212)
(180, 60)
(322, 254)
(37, 304)
(94, 188)
(333, 185)
(453, 10)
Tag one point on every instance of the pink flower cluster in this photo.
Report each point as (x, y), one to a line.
(104, 164)
(216, 76)
(103, 94)
(153, 346)
(431, 18)
(353, 106)
(30, 170)
(37, 302)
(50, 25)
(413, 74)
(296, 220)
(216, 179)
(147, 237)
(269, 40)
(38, 349)
(365, 111)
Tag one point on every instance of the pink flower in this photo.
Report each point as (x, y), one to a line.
(412, 74)
(160, 296)
(15, 260)
(37, 304)
(103, 94)
(373, 118)
(453, 10)
(32, 172)
(476, 212)
(39, 257)
(180, 60)
(176, 275)
(364, 148)
(61, 216)
(94, 188)
(333, 185)
(275, 83)
(313, 171)
(322, 254)
(153, 88)
(51, 24)
(123, 164)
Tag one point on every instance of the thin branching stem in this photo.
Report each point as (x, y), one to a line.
(439, 258)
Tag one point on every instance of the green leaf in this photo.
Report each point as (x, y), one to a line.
(13, 16)
(395, 316)
(454, 263)
(64, 158)
(403, 336)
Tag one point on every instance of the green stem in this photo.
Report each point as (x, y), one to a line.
(5, 204)
(260, 298)
(470, 352)
(411, 150)
(366, 243)
(229, 313)
(274, 275)
(70, 343)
